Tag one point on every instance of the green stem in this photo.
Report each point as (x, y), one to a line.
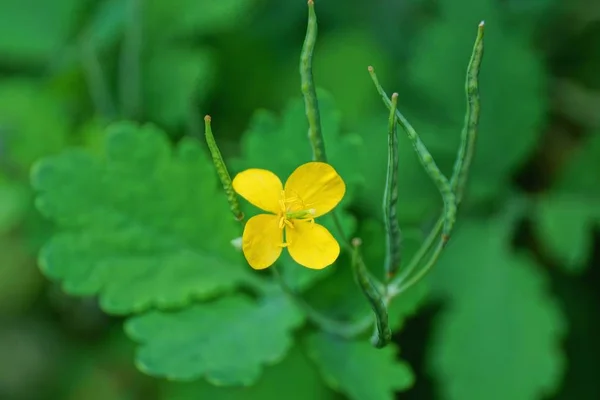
(383, 333)
(417, 258)
(130, 62)
(390, 199)
(343, 329)
(309, 91)
(426, 159)
(311, 104)
(222, 170)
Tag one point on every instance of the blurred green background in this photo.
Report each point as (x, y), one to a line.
(511, 310)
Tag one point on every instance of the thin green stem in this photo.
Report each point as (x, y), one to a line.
(418, 257)
(130, 62)
(469, 130)
(424, 270)
(309, 91)
(339, 328)
(426, 159)
(383, 333)
(222, 171)
(390, 199)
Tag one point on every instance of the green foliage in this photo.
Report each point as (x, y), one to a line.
(295, 376)
(500, 315)
(226, 341)
(141, 225)
(138, 222)
(355, 369)
(565, 217)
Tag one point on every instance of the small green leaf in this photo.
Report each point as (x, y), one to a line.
(175, 80)
(501, 335)
(580, 175)
(142, 226)
(357, 369)
(226, 341)
(566, 216)
(295, 376)
(565, 225)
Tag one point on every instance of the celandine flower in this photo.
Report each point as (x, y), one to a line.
(312, 190)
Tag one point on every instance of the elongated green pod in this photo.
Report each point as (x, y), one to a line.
(222, 170)
(469, 130)
(383, 333)
(390, 199)
(309, 91)
(411, 275)
(427, 161)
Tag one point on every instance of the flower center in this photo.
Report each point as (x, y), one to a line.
(293, 208)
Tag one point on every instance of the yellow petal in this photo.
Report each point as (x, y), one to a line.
(260, 187)
(261, 241)
(311, 245)
(317, 185)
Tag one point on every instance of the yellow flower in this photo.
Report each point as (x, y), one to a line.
(312, 190)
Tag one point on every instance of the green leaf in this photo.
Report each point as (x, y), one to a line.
(32, 31)
(226, 341)
(143, 225)
(295, 376)
(501, 335)
(357, 369)
(175, 80)
(566, 216)
(565, 223)
(33, 122)
(513, 101)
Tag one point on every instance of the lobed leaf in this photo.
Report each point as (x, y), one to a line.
(227, 341)
(295, 376)
(500, 336)
(142, 226)
(357, 369)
